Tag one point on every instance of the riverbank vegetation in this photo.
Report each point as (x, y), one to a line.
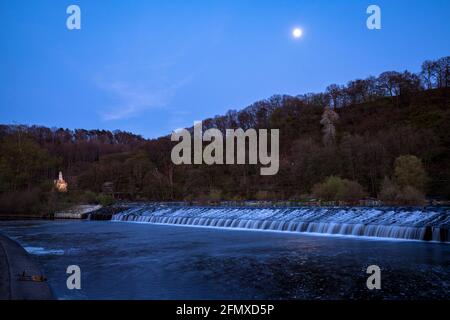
(384, 137)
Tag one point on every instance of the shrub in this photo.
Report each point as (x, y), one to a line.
(329, 189)
(90, 197)
(409, 171)
(105, 200)
(352, 190)
(411, 196)
(389, 191)
(215, 195)
(395, 194)
(264, 195)
(23, 202)
(335, 189)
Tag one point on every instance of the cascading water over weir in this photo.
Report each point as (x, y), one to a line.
(431, 224)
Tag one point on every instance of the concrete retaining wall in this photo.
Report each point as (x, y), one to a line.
(14, 260)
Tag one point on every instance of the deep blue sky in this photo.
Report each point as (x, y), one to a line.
(153, 66)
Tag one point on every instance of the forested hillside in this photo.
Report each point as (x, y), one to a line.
(385, 137)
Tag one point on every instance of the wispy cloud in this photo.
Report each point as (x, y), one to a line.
(134, 99)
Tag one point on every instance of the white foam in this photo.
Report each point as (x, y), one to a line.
(39, 251)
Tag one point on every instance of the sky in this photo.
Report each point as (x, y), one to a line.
(151, 67)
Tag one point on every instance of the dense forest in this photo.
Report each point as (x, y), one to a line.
(385, 137)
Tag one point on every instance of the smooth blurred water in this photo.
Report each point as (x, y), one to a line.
(411, 223)
(145, 261)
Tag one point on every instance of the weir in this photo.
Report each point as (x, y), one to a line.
(430, 224)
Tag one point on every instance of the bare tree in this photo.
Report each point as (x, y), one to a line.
(443, 72)
(335, 92)
(436, 73)
(394, 84)
(388, 83)
(430, 73)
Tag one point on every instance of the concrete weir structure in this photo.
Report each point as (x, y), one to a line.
(411, 223)
(77, 212)
(14, 260)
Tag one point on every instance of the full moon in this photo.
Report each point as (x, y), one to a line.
(297, 33)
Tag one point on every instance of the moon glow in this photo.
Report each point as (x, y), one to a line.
(297, 33)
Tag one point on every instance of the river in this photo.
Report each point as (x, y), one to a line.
(121, 260)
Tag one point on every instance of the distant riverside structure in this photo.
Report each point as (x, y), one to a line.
(60, 184)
